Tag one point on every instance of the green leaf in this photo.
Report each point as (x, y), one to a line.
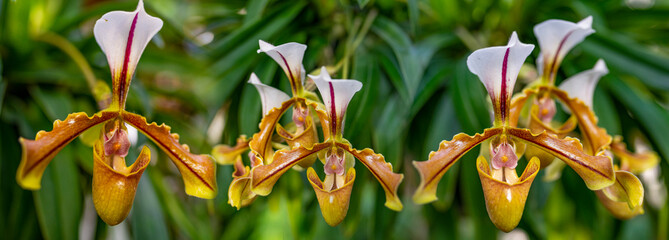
(59, 201)
(470, 100)
(55, 104)
(174, 209)
(233, 68)
(390, 130)
(365, 70)
(147, 219)
(254, 10)
(362, 3)
(18, 219)
(410, 69)
(628, 57)
(443, 126)
(653, 118)
(250, 111)
(413, 15)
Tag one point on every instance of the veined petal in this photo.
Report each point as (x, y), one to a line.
(336, 95)
(382, 171)
(239, 193)
(289, 57)
(197, 171)
(582, 85)
(497, 68)
(270, 96)
(556, 38)
(334, 204)
(440, 161)
(633, 162)
(596, 171)
(226, 155)
(595, 138)
(505, 202)
(537, 126)
(627, 188)
(114, 191)
(39, 152)
(123, 37)
(306, 138)
(624, 199)
(263, 177)
(261, 142)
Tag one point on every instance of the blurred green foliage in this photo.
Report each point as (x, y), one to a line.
(417, 91)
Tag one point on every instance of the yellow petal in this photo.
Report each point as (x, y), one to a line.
(261, 142)
(114, 191)
(382, 170)
(624, 199)
(197, 171)
(505, 202)
(39, 152)
(306, 138)
(627, 189)
(633, 162)
(620, 210)
(226, 155)
(334, 203)
(239, 193)
(596, 171)
(263, 177)
(440, 161)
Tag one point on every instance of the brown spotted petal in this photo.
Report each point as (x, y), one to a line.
(114, 190)
(596, 171)
(306, 138)
(197, 171)
(440, 161)
(382, 170)
(263, 177)
(334, 203)
(595, 138)
(227, 155)
(239, 193)
(633, 162)
(624, 199)
(39, 152)
(261, 142)
(504, 201)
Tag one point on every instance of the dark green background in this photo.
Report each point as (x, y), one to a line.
(417, 91)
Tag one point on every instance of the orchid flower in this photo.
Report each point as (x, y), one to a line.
(624, 199)
(556, 38)
(504, 191)
(122, 37)
(334, 192)
(274, 104)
